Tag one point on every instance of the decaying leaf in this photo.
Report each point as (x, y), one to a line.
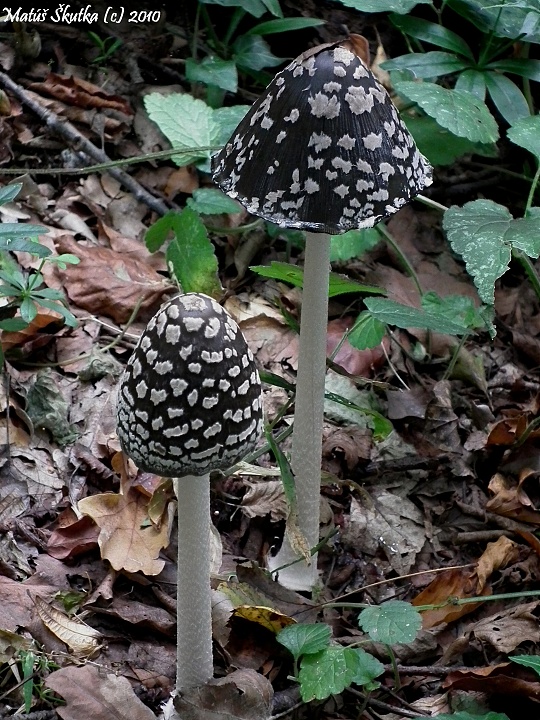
(128, 540)
(82, 640)
(90, 693)
(265, 498)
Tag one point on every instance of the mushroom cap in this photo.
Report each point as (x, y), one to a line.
(323, 148)
(190, 398)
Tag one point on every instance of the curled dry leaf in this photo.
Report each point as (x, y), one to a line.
(511, 500)
(76, 91)
(81, 639)
(507, 629)
(264, 498)
(105, 282)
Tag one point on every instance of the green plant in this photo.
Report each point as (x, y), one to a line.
(34, 667)
(232, 51)
(322, 668)
(106, 46)
(24, 291)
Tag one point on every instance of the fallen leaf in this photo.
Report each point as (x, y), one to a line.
(90, 693)
(507, 629)
(265, 498)
(82, 639)
(511, 500)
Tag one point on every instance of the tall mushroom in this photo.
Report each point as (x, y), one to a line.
(190, 402)
(323, 150)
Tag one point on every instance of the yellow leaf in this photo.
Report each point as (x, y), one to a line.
(269, 618)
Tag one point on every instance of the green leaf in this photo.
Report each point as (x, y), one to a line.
(531, 661)
(440, 146)
(13, 324)
(284, 25)
(69, 318)
(9, 193)
(253, 7)
(305, 639)
(213, 71)
(373, 6)
(393, 622)
(252, 52)
(274, 7)
(367, 332)
(504, 18)
(427, 65)
(64, 260)
(292, 274)
(192, 256)
(507, 97)
(484, 233)
(461, 113)
(211, 201)
(330, 671)
(225, 120)
(454, 307)
(525, 68)
(353, 243)
(404, 316)
(526, 134)
(432, 33)
(20, 244)
(28, 310)
(472, 81)
(22, 230)
(159, 232)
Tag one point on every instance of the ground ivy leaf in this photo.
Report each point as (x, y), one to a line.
(439, 145)
(532, 661)
(404, 316)
(305, 639)
(330, 671)
(367, 332)
(393, 622)
(397, 6)
(213, 71)
(483, 233)
(353, 243)
(459, 111)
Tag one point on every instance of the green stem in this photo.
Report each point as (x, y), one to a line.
(393, 662)
(218, 45)
(236, 19)
(534, 184)
(529, 269)
(455, 356)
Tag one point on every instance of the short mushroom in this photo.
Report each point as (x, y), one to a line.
(190, 402)
(323, 150)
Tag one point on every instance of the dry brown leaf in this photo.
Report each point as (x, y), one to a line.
(502, 680)
(105, 282)
(511, 500)
(74, 539)
(497, 555)
(82, 640)
(242, 695)
(127, 539)
(76, 91)
(91, 694)
(264, 498)
(356, 362)
(507, 629)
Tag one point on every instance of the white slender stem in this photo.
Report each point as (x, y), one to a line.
(194, 613)
(309, 410)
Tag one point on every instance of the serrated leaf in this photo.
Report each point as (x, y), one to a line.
(404, 316)
(526, 134)
(305, 639)
(460, 112)
(367, 332)
(213, 71)
(507, 97)
(294, 275)
(211, 201)
(353, 243)
(454, 307)
(330, 671)
(192, 256)
(394, 622)
(185, 121)
(427, 65)
(372, 6)
(432, 33)
(284, 25)
(531, 661)
(439, 145)
(483, 233)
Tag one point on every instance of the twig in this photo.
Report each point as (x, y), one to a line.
(66, 130)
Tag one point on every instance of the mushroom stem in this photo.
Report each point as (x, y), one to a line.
(309, 411)
(194, 614)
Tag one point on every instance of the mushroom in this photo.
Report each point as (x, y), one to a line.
(323, 150)
(190, 402)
